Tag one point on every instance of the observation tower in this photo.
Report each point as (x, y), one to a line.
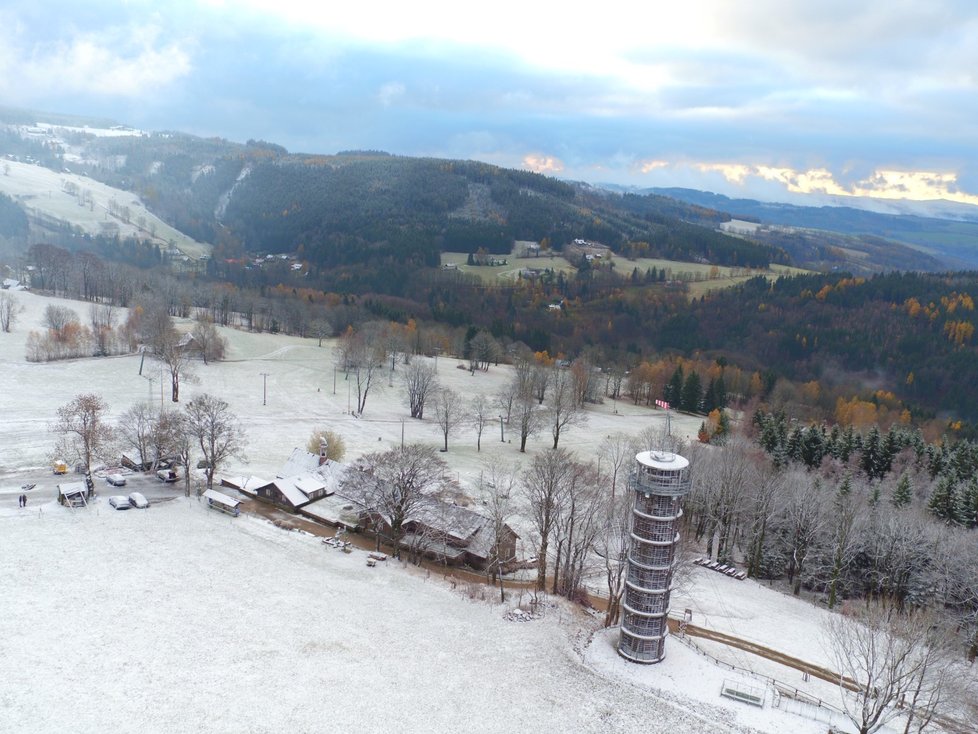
(659, 480)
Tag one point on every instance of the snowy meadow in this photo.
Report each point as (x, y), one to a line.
(180, 619)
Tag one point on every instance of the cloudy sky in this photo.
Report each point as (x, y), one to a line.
(765, 98)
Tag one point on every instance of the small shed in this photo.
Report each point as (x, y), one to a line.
(73, 494)
(220, 501)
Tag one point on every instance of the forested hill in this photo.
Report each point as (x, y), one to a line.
(362, 207)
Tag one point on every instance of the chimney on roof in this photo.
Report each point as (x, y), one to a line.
(323, 445)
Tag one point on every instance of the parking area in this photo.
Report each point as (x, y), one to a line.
(39, 487)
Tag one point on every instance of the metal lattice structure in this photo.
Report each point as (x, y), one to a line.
(659, 480)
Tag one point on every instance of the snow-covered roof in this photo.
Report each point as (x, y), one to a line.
(308, 483)
(293, 494)
(246, 484)
(665, 460)
(452, 520)
(300, 462)
(69, 488)
(335, 510)
(221, 498)
(430, 545)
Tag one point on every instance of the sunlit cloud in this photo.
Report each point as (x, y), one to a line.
(647, 166)
(542, 163)
(734, 173)
(881, 184)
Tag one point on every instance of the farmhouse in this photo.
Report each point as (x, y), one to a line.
(309, 485)
(305, 478)
(434, 528)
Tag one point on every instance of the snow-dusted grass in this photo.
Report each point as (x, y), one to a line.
(181, 619)
(299, 398)
(178, 619)
(42, 190)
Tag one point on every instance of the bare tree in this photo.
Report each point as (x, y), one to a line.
(498, 485)
(10, 309)
(207, 341)
(102, 319)
(393, 484)
(58, 318)
(507, 397)
(449, 412)
(802, 525)
(363, 354)
(175, 357)
(481, 414)
(578, 521)
(181, 446)
(618, 450)
(420, 381)
(845, 530)
(611, 546)
(528, 417)
(545, 483)
(483, 350)
(891, 660)
(563, 409)
(762, 502)
(217, 431)
(85, 435)
(135, 430)
(167, 436)
(585, 381)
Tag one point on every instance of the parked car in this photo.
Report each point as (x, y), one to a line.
(137, 500)
(119, 502)
(167, 475)
(116, 480)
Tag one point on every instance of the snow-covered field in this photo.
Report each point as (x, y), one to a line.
(299, 398)
(179, 619)
(42, 190)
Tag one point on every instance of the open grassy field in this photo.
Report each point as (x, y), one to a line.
(702, 277)
(506, 274)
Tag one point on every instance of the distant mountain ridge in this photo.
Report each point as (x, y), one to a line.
(953, 241)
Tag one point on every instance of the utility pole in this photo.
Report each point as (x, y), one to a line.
(264, 388)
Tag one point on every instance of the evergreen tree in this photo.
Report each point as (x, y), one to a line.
(845, 486)
(793, 446)
(769, 438)
(871, 460)
(942, 503)
(692, 393)
(710, 397)
(672, 393)
(903, 492)
(848, 444)
(812, 448)
(966, 503)
(721, 393)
